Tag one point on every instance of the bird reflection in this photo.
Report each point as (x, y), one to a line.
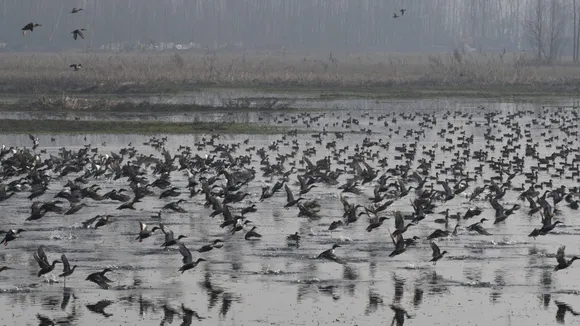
(418, 297)
(99, 307)
(399, 317)
(168, 314)
(66, 295)
(399, 285)
(188, 316)
(375, 301)
(562, 309)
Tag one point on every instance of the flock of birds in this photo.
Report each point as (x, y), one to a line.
(76, 33)
(426, 177)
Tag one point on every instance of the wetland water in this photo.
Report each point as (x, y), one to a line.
(502, 279)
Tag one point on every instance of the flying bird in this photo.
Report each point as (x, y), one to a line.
(78, 32)
(29, 27)
(75, 10)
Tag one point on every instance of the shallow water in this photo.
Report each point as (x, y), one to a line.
(503, 279)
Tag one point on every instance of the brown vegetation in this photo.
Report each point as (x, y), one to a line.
(167, 72)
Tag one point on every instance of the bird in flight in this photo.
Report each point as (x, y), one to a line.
(78, 32)
(75, 10)
(29, 27)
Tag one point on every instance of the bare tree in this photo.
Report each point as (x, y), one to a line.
(545, 29)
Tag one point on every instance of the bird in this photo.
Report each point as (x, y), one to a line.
(75, 10)
(11, 235)
(395, 15)
(144, 233)
(218, 243)
(252, 234)
(169, 237)
(437, 254)
(100, 279)
(42, 260)
(66, 270)
(402, 11)
(4, 268)
(562, 262)
(329, 254)
(30, 27)
(78, 32)
(293, 237)
(76, 66)
(187, 260)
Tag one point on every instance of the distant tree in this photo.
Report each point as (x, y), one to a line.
(544, 29)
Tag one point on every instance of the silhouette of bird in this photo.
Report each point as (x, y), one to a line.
(78, 32)
(75, 10)
(29, 27)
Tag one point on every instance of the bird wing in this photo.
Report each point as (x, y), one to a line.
(399, 223)
(40, 258)
(185, 253)
(142, 226)
(446, 187)
(289, 195)
(31, 137)
(65, 263)
(168, 233)
(75, 35)
(81, 34)
(436, 250)
(560, 255)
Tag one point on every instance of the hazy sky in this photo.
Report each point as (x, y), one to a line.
(349, 25)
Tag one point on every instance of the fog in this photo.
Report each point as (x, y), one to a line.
(292, 25)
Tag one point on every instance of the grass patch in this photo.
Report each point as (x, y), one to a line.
(78, 103)
(392, 75)
(49, 126)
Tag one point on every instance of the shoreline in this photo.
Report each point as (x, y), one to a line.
(61, 126)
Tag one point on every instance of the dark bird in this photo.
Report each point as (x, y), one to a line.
(144, 233)
(437, 254)
(76, 66)
(329, 254)
(169, 237)
(29, 27)
(11, 235)
(100, 279)
(402, 11)
(42, 260)
(78, 32)
(562, 262)
(252, 234)
(187, 260)
(66, 270)
(75, 10)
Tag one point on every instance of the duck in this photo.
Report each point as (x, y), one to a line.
(42, 260)
(66, 270)
(78, 32)
(562, 262)
(329, 254)
(144, 233)
(437, 254)
(30, 27)
(188, 262)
